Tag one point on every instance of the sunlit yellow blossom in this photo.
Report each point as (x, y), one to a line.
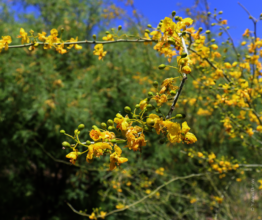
(42, 37)
(122, 123)
(143, 104)
(23, 36)
(250, 132)
(99, 51)
(135, 138)
(156, 35)
(92, 216)
(190, 138)
(186, 69)
(259, 128)
(115, 158)
(185, 127)
(95, 134)
(247, 33)
(72, 156)
(97, 150)
(103, 214)
(60, 49)
(214, 46)
(120, 206)
(223, 22)
(227, 65)
(160, 99)
(193, 201)
(77, 47)
(109, 37)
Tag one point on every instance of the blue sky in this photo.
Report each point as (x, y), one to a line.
(155, 10)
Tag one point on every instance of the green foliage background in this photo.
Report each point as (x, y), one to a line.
(33, 184)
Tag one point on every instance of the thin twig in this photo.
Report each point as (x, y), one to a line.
(84, 42)
(181, 84)
(141, 200)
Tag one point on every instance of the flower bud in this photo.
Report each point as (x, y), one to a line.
(127, 109)
(137, 106)
(150, 122)
(183, 55)
(155, 84)
(177, 18)
(62, 30)
(94, 36)
(110, 122)
(150, 107)
(150, 94)
(147, 31)
(119, 27)
(149, 26)
(162, 66)
(209, 13)
(76, 132)
(172, 41)
(208, 32)
(180, 115)
(110, 128)
(213, 40)
(173, 93)
(62, 131)
(81, 127)
(118, 141)
(88, 142)
(66, 144)
(221, 12)
(103, 125)
(95, 127)
(107, 32)
(36, 44)
(158, 110)
(173, 13)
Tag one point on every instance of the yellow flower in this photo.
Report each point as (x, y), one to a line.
(42, 37)
(186, 69)
(4, 42)
(72, 156)
(160, 99)
(193, 201)
(122, 123)
(109, 37)
(168, 26)
(115, 158)
(238, 179)
(185, 127)
(190, 138)
(103, 214)
(143, 104)
(259, 128)
(247, 33)
(97, 150)
(120, 206)
(156, 35)
(77, 47)
(92, 216)
(60, 49)
(214, 46)
(99, 51)
(23, 36)
(199, 154)
(135, 138)
(227, 65)
(148, 191)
